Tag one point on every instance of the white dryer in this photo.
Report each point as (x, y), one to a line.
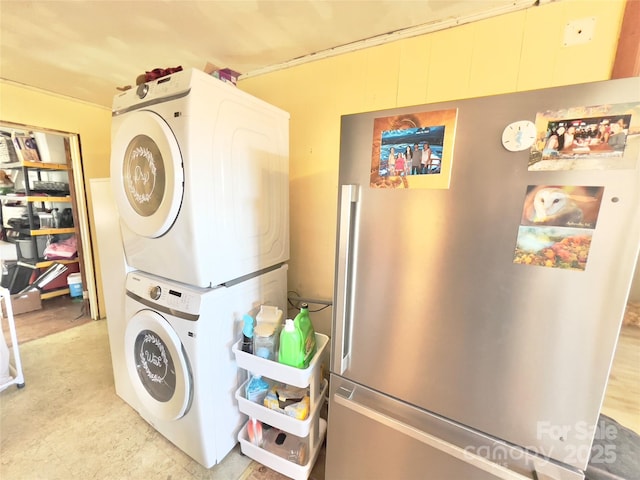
(178, 354)
(200, 171)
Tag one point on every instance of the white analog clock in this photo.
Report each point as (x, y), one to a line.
(519, 135)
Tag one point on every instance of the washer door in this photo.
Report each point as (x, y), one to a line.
(147, 174)
(158, 366)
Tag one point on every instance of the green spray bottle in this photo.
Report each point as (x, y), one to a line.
(303, 324)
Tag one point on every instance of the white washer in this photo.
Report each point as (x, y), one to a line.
(178, 354)
(200, 171)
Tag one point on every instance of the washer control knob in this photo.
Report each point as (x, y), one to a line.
(154, 292)
(142, 90)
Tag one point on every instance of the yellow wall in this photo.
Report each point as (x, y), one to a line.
(513, 52)
(28, 106)
(34, 107)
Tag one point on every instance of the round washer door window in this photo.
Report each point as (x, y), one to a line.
(146, 172)
(158, 366)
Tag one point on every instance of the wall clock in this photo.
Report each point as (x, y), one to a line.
(519, 135)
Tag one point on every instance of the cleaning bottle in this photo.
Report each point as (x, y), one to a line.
(247, 334)
(56, 218)
(303, 324)
(254, 430)
(291, 349)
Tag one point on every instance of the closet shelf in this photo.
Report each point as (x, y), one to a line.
(54, 293)
(52, 231)
(38, 165)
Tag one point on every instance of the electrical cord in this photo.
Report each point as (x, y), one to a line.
(83, 311)
(295, 300)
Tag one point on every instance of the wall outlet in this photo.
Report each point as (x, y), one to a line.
(579, 31)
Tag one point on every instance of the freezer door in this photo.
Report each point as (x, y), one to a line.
(374, 436)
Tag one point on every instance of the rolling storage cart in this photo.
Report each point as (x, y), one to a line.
(15, 376)
(311, 431)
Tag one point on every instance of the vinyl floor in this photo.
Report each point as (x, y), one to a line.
(67, 421)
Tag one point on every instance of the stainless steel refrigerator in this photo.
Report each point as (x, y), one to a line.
(479, 291)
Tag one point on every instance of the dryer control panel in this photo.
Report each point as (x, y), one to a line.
(156, 90)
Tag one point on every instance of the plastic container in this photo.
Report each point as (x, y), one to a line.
(265, 340)
(267, 332)
(46, 220)
(269, 314)
(255, 389)
(285, 445)
(74, 280)
(26, 247)
(291, 346)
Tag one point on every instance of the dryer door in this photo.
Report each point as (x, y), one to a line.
(146, 173)
(158, 366)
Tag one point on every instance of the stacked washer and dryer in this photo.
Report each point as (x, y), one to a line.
(199, 174)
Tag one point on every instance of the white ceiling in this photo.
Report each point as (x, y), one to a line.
(85, 49)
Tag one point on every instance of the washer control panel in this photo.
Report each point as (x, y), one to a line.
(156, 291)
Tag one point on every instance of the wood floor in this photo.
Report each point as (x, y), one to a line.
(57, 314)
(622, 399)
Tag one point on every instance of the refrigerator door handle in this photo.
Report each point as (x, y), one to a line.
(342, 327)
(344, 397)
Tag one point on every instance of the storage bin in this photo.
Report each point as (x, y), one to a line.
(75, 285)
(280, 420)
(298, 377)
(277, 463)
(26, 247)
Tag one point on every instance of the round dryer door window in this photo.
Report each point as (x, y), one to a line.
(158, 366)
(146, 170)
